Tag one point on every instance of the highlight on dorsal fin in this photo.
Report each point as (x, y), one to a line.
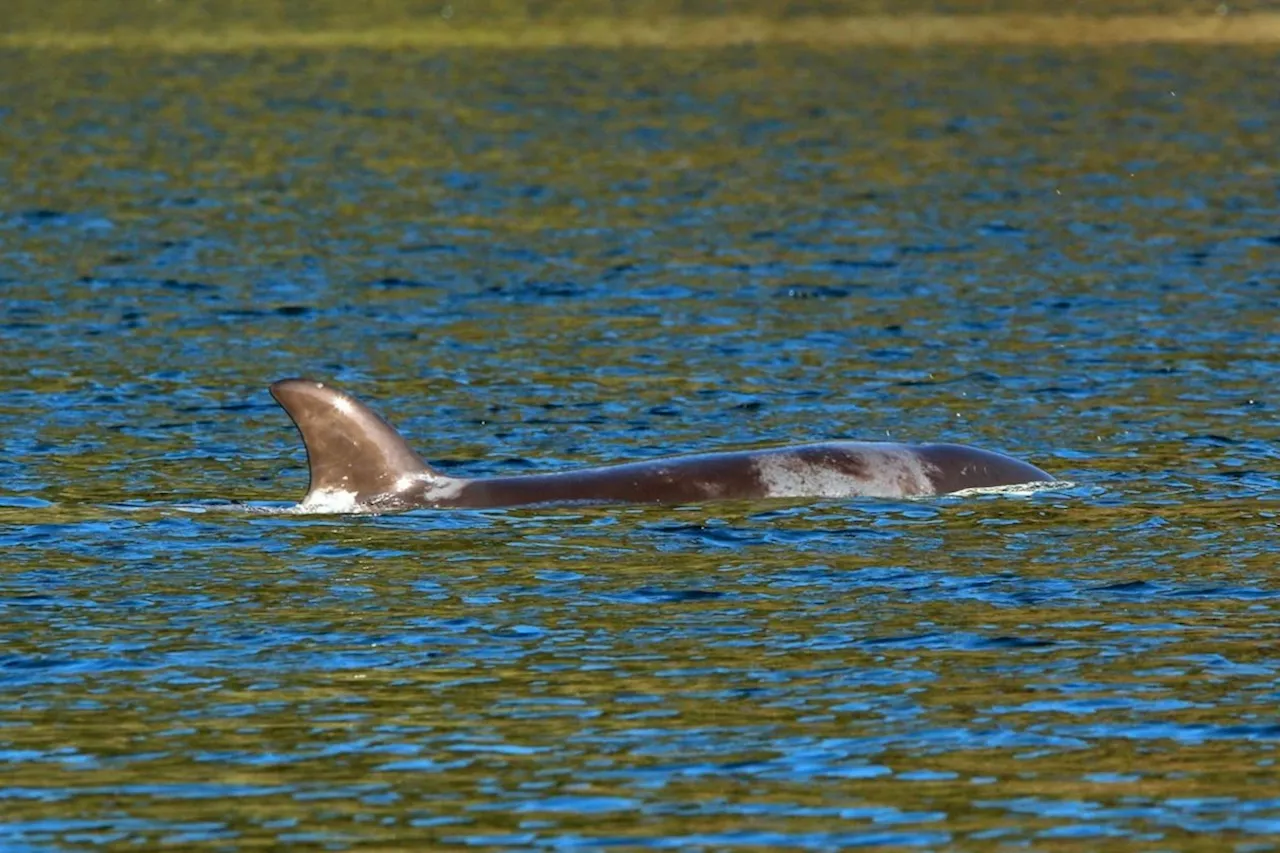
(351, 451)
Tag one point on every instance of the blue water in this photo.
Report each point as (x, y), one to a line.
(535, 260)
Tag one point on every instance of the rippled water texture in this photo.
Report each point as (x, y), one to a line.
(533, 259)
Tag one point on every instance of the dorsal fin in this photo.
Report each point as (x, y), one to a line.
(349, 448)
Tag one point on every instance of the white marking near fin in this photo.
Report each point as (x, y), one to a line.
(434, 487)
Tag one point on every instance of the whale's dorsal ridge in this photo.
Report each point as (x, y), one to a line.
(351, 451)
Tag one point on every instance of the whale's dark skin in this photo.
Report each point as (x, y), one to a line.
(359, 462)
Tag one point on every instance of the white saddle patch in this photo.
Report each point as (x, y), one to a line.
(889, 473)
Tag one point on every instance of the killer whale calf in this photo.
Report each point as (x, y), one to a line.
(359, 462)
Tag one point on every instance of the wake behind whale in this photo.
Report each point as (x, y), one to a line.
(360, 463)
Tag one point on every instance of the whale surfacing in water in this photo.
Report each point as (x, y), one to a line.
(359, 463)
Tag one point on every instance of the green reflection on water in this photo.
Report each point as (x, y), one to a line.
(523, 256)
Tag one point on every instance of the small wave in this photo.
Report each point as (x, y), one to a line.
(1016, 490)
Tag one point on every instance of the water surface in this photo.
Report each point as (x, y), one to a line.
(532, 259)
